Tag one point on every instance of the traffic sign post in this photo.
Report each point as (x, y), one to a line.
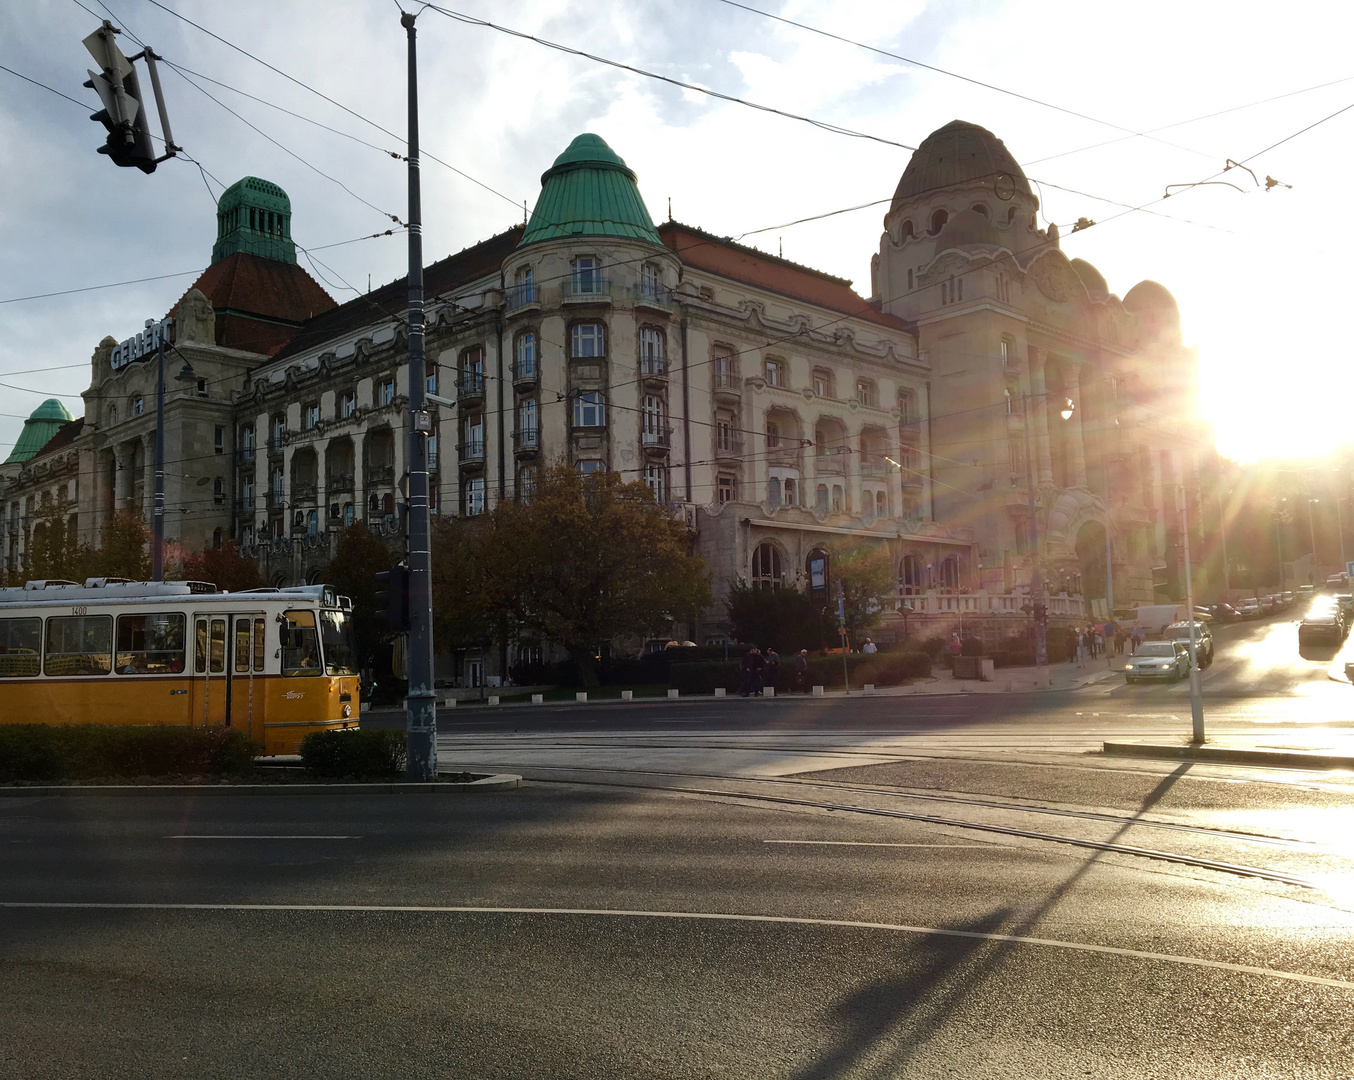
(841, 630)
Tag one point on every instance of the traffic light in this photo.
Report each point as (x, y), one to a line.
(1161, 579)
(124, 109)
(1041, 614)
(392, 597)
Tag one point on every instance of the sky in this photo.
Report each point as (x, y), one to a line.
(1104, 111)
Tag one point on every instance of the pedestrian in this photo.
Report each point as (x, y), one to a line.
(1081, 647)
(771, 672)
(956, 647)
(753, 664)
(802, 671)
(869, 647)
(1073, 639)
(1135, 635)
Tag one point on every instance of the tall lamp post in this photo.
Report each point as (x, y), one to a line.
(1037, 601)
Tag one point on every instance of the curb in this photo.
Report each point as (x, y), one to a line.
(497, 782)
(1287, 759)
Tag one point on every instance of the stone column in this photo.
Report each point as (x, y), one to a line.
(1074, 436)
(1043, 461)
(359, 477)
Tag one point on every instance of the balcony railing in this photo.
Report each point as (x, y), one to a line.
(245, 455)
(277, 500)
(729, 448)
(470, 384)
(590, 287)
(527, 440)
(380, 474)
(656, 440)
(653, 367)
(525, 373)
(340, 482)
(519, 296)
(728, 382)
(654, 295)
(304, 493)
(471, 452)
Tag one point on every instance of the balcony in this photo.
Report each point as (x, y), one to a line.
(872, 464)
(656, 443)
(277, 501)
(653, 295)
(525, 376)
(727, 384)
(340, 482)
(276, 443)
(471, 454)
(469, 386)
(517, 297)
(729, 447)
(245, 455)
(910, 432)
(526, 442)
(654, 369)
(304, 493)
(589, 289)
(380, 475)
(912, 481)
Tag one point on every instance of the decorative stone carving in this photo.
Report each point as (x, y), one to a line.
(194, 319)
(1055, 278)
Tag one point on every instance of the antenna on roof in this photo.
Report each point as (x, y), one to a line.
(780, 246)
(524, 211)
(669, 207)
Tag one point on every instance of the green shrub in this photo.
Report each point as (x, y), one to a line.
(354, 754)
(43, 753)
(972, 646)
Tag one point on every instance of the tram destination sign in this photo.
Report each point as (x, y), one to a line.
(139, 345)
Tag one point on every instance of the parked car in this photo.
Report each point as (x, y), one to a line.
(1268, 604)
(1345, 602)
(1203, 640)
(1306, 592)
(1248, 608)
(1286, 599)
(1225, 613)
(1321, 628)
(1157, 660)
(1204, 614)
(1337, 581)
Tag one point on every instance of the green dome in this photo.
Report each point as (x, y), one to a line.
(45, 421)
(254, 216)
(589, 191)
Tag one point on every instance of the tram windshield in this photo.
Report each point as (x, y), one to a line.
(300, 645)
(336, 631)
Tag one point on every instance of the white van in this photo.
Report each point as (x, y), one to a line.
(1153, 618)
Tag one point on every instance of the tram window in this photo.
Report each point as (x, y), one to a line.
(79, 645)
(150, 644)
(218, 653)
(20, 647)
(242, 650)
(259, 644)
(200, 663)
(300, 645)
(336, 628)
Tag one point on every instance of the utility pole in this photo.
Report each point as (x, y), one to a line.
(1196, 700)
(157, 542)
(421, 704)
(1226, 567)
(1036, 574)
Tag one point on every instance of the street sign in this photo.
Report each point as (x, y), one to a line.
(1349, 570)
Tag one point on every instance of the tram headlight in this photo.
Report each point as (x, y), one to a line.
(347, 711)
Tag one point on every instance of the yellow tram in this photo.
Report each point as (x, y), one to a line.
(276, 663)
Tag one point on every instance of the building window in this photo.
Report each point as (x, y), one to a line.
(907, 407)
(949, 573)
(432, 450)
(588, 466)
(766, 566)
(772, 435)
(585, 276)
(822, 382)
(650, 282)
(138, 406)
(724, 436)
(348, 404)
(247, 442)
(791, 493)
(472, 430)
(313, 524)
(775, 373)
(112, 415)
(431, 379)
(654, 416)
(349, 514)
(820, 503)
(656, 476)
(866, 393)
(474, 496)
(1005, 353)
(219, 491)
(202, 388)
(589, 340)
(526, 483)
(219, 439)
(838, 499)
(909, 576)
(726, 488)
(909, 281)
(938, 220)
(278, 484)
(773, 493)
(722, 365)
(652, 358)
(247, 536)
(528, 422)
(279, 430)
(589, 410)
(386, 395)
(526, 356)
(311, 417)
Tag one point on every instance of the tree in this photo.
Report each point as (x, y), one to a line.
(223, 566)
(590, 559)
(122, 550)
(54, 552)
(358, 558)
(865, 572)
(467, 609)
(783, 618)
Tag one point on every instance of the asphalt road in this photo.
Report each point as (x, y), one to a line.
(768, 889)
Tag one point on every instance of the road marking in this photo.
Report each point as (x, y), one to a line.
(261, 836)
(709, 916)
(873, 843)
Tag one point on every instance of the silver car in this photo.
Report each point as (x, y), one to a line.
(1167, 660)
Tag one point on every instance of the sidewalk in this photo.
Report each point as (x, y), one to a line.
(1311, 748)
(1011, 680)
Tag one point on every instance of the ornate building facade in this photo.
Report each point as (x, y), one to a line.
(768, 403)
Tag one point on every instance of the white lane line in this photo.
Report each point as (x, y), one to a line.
(268, 836)
(709, 916)
(873, 843)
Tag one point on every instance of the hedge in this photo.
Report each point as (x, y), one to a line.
(354, 754)
(881, 669)
(53, 754)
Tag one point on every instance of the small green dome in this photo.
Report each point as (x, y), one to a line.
(589, 191)
(254, 216)
(44, 422)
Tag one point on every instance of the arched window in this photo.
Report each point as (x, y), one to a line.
(979, 208)
(374, 503)
(313, 524)
(949, 573)
(881, 504)
(909, 576)
(766, 565)
(112, 415)
(347, 514)
(821, 504)
(938, 220)
(216, 539)
(525, 367)
(908, 231)
(772, 435)
(388, 503)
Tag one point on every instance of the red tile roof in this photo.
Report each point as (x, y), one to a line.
(705, 251)
(260, 303)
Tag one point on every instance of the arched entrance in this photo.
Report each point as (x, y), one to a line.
(1091, 555)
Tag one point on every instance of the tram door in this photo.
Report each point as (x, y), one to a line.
(228, 670)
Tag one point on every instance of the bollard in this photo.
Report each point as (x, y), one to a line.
(581, 695)
(627, 695)
(538, 699)
(769, 691)
(672, 695)
(450, 702)
(493, 699)
(719, 691)
(869, 689)
(817, 691)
